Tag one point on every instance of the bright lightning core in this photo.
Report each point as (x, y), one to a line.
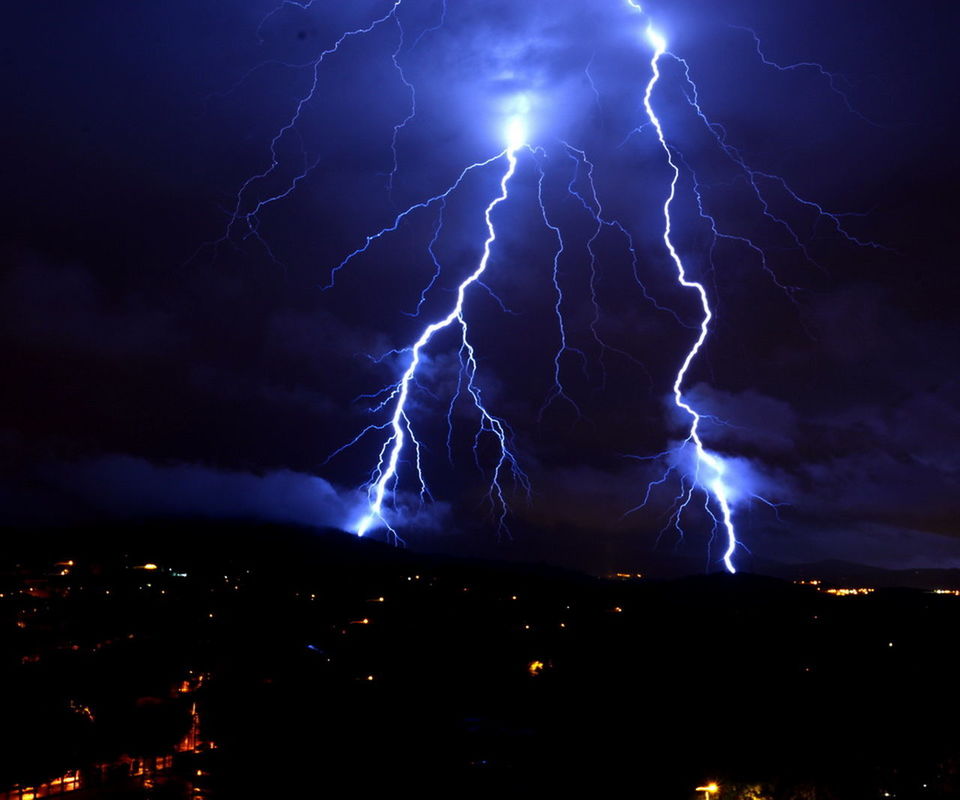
(516, 134)
(658, 43)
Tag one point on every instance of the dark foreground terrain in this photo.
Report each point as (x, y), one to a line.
(227, 661)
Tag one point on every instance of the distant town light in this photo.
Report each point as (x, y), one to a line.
(849, 592)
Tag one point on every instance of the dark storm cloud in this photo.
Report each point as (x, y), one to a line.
(746, 419)
(63, 307)
(124, 487)
(879, 545)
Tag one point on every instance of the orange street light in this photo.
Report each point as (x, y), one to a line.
(709, 789)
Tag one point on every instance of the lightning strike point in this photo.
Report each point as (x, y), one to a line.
(364, 525)
(656, 40)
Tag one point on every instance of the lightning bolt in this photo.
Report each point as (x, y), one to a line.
(711, 472)
(709, 468)
(399, 427)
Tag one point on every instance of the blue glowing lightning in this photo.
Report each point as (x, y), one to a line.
(712, 464)
(703, 475)
(386, 469)
(710, 472)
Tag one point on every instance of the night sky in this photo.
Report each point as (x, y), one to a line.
(147, 371)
